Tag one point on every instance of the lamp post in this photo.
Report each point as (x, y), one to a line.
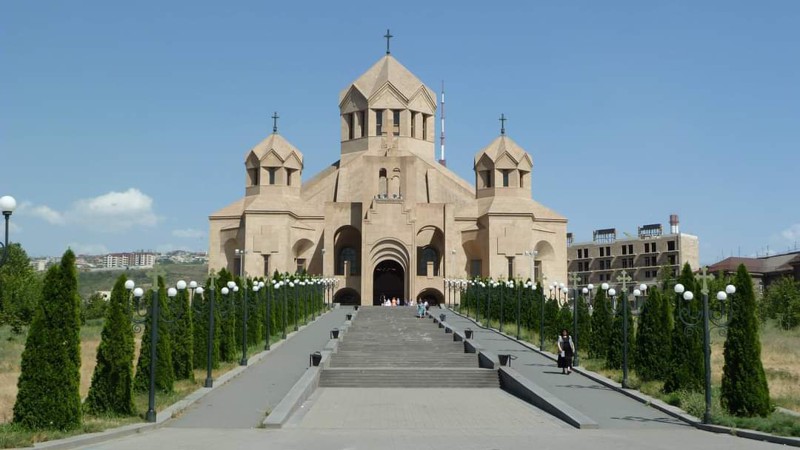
(138, 318)
(623, 278)
(575, 280)
(692, 321)
(292, 285)
(7, 206)
(532, 255)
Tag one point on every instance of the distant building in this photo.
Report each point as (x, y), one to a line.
(39, 265)
(136, 259)
(643, 256)
(763, 270)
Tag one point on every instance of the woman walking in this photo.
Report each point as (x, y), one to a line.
(565, 352)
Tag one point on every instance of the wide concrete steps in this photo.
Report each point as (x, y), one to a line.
(409, 377)
(378, 360)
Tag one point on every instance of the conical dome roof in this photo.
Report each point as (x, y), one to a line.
(387, 70)
(500, 146)
(280, 146)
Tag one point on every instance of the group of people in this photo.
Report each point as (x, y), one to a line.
(422, 307)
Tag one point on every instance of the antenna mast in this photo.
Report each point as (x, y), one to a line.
(442, 161)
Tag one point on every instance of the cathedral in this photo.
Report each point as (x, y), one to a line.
(387, 219)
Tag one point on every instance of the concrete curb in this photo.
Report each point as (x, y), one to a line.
(673, 411)
(514, 383)
(167, 413)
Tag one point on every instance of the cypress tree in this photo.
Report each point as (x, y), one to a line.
(227, 310)
(601, 326)
(551, 323)
(584, 334)
(165, 376)
(686, 355)
(255, 316)
(616, 342)
(48, 387)
(112, 382)
(652, 338)
(744, 385)
(182, 335)
(200, 330)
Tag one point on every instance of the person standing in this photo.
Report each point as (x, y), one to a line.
(565, 352)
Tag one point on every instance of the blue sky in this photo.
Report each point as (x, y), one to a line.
(124, 125)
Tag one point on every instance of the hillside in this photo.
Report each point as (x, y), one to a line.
(90, 282)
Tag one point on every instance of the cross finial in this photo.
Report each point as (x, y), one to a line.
(624, 278)
(704, 277)
(503, 124)
(275, 118)
(388, 36)
(575, 280)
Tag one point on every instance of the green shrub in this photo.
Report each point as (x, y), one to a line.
(48, 387)
(112, 382)
(686, 370)
(744, 385)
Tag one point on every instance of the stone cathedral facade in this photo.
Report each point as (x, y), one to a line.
(387, 219)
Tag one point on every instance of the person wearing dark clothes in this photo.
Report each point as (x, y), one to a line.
(565, 352)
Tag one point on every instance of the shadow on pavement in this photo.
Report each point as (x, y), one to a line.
(667, 420)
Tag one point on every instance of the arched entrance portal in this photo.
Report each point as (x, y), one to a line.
(430, 295)
(347, 296)
(388, 281)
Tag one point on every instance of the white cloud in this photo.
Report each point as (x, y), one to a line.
(14, 228)
(47, 214)
(115, 211)
(188, 233)
(111, 212)
(792, 233)
(88, 249)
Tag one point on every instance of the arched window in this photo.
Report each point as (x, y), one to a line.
(347, 254)
(426, 255)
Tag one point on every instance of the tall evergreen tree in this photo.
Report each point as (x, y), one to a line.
(165, 377)
(112, 382)
(584, 333)
(652, 338)
(551, 323)
(48, 387)
(226, 306)
(744, 385)
(182, 334)
(601, 326)
(686, 361)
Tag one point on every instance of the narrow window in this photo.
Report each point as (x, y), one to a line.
(271, 171)
(505, 178)
(413, 124)
(350, 130)
(510, 267)
(301, 265)
(425, 127)
(396, 122)
(266, 265)
(379, 122)
(362, 125)
(671, 246)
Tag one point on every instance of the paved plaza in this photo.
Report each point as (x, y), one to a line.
(417, 417)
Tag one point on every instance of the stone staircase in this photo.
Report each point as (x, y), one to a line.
(391, 347)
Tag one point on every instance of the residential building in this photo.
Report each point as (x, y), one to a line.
(643, 256)
(763, 270)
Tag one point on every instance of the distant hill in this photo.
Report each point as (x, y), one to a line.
(91, 282)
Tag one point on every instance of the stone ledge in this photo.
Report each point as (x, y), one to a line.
(514, 383)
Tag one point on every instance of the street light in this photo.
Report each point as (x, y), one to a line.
(575, 280)
(7, 206)
(138, 317)
(692, 321)
(624, 278)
